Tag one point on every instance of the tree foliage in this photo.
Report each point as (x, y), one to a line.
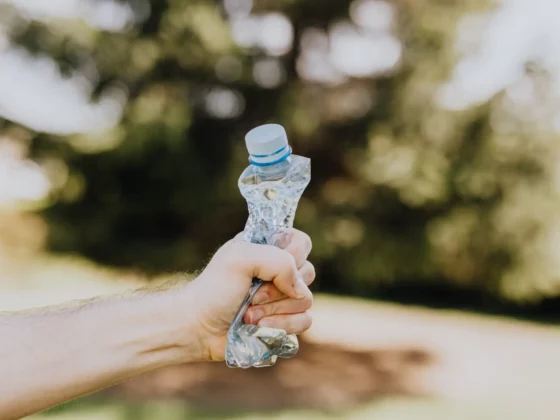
(403, 190)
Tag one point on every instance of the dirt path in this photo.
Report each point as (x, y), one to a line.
(360, 351)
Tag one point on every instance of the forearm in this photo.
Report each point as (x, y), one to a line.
(59, 354)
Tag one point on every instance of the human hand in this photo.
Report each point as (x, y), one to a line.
(282, 302)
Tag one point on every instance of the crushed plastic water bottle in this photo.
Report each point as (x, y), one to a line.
(272, 185)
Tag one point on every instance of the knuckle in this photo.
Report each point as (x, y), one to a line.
(302, 242)
(311, 271)
(270, 309)
(273, 308)
(294, 233)
(289, 260)
(307, 320)
(302, 323)
(308, 273)
(308, 243)
(307, 302)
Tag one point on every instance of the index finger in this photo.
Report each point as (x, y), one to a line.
(299, 246)
(269, 263)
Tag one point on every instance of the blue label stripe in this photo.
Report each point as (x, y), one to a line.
(272, 154)
(282, 159)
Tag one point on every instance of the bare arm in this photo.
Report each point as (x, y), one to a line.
(56, 354)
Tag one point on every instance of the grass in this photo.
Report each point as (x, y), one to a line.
(387, 409)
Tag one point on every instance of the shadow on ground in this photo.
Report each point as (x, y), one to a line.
(321, 376)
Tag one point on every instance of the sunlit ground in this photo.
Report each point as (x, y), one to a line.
(389, 362)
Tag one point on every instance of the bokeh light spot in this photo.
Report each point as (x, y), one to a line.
(269, 73)
(224, 103)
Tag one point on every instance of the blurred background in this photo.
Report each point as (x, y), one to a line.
(434, 133)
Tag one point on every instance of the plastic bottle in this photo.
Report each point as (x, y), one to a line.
(272, 185)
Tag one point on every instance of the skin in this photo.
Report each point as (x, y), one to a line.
(56, 354)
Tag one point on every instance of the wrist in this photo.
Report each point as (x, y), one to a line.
(205, 340)
(164, 331)
(182, 330)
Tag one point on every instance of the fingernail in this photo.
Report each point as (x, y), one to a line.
(259, 298)
(255, 315)
(300, 288)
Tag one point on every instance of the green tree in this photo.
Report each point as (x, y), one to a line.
(403, 191)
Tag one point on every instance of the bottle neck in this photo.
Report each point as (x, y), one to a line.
(274, 171)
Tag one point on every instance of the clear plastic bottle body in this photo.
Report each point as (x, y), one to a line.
(272, 193)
